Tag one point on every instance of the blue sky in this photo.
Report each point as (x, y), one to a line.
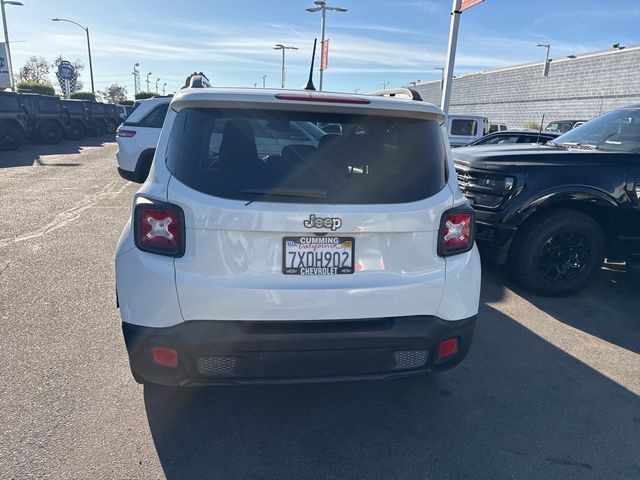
(376, 41)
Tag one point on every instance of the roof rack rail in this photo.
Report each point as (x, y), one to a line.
(407, 93)
(199, 81)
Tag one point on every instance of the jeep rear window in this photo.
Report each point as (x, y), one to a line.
(279, 156)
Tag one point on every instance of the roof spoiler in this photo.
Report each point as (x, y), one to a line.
(199, 81)
(406, 93)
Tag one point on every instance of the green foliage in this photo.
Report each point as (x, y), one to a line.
(532, 124)
(141, 95)
(36, 69)
(43, 88)
(83, 96)
(126, 102)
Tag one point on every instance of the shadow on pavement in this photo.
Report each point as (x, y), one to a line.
(518, 407)
(31, 154)
(609, 308)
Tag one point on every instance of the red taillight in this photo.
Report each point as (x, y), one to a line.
(159, 228)
(166, 357)
(456, 232)
(125, 133)
(447, 348)
(323, 99)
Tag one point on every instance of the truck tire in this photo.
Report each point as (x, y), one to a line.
(9, 138)
(556, 253)
(98, 129)
(76, 130)
(49, 132)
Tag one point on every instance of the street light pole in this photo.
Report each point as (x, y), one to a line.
(545, 68)
(451, 57)
(282, 47)
(136, 74)
(323, 7)
(264, 81)
(86, 29)
(6, 39)
(157, 81)
(441, 77)
(164, 86)
(384, 85)
(148, 81)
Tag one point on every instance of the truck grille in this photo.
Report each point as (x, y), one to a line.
(484, 189)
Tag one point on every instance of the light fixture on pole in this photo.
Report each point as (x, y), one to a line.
(148, 74)
(6, 38)
(384, 85)
(323, 7)
(441, 77)
(86, 29)
(545, 68)
(279, 46)
(136, 74)
(164, 86)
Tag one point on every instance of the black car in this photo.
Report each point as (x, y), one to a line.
(509, 137)
(554, 212)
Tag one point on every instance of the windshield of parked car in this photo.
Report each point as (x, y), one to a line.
(238, 154)
(616, 131)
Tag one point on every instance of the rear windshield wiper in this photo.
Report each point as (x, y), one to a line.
(284, 192)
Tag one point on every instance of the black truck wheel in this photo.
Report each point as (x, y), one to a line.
(98, 129)
(9, 138)
(76, 130)
(556, 253)
(49, 132)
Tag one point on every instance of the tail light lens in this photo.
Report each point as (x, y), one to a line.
(125, 133)
(447, 348)
(457, 231)
(159, 228)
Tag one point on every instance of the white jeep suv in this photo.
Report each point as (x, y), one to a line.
(138, 136)
(350, 258)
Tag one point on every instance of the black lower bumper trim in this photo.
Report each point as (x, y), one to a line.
(239, 352)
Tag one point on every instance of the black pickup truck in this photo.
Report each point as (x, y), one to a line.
(554, 212)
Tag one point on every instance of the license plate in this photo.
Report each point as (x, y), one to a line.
(321, 255)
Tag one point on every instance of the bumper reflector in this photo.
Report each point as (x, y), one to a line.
(447, 348)
(166, 357)
(410, 359)
(217, 366)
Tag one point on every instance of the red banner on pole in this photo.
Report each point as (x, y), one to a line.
(325, 55)
(469, 3)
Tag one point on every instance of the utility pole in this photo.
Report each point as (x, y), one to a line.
(264, 81)
(282, 47)
(545, 68)
(12, 83)
(323, 7)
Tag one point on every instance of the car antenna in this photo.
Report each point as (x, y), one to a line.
(540, 129)
(313, 56)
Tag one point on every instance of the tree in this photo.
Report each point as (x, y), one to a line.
(77, 64)
(532, 124)
(141, 95)
(83, 96)
(114, 94)
(35, 70)
(43, 88)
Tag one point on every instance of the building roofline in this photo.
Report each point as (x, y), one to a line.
(552, 61)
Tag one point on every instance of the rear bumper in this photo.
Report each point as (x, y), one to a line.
(127, 175)
(235, 352)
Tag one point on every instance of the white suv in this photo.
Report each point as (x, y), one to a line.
(350, 258)
(138, 136)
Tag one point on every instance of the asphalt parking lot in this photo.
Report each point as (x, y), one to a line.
(550, 388)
